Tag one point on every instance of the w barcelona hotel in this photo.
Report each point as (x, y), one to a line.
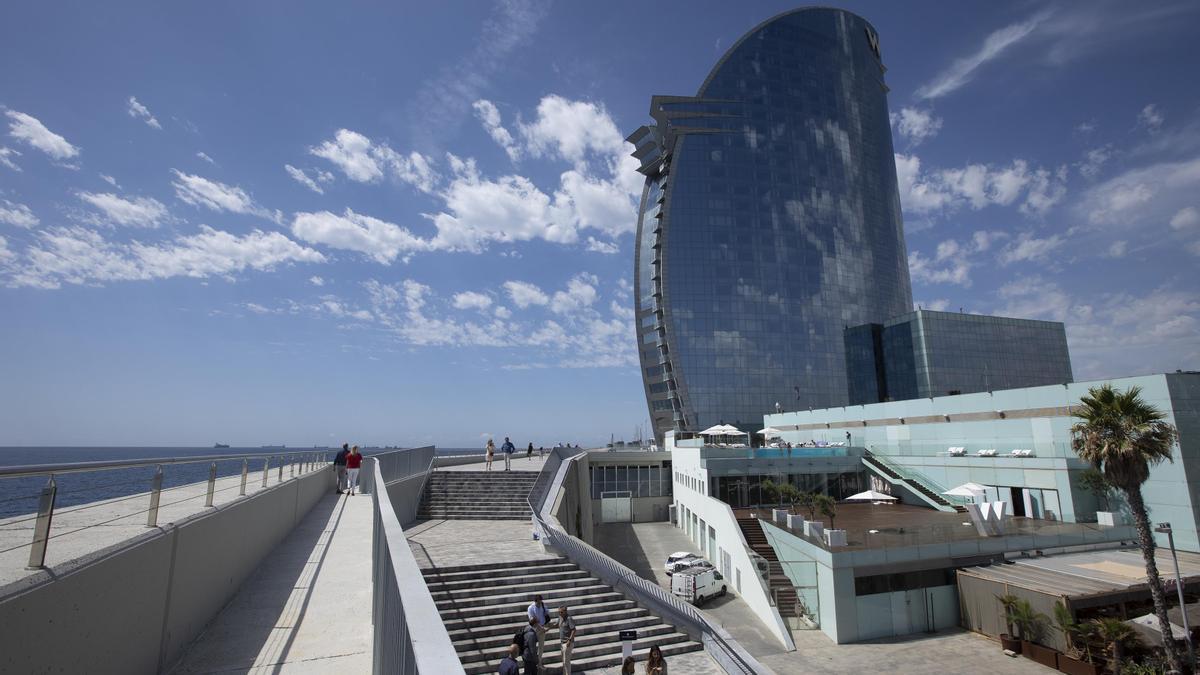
(782, 359)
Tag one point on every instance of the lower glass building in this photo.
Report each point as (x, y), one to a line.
(769, 223)
(924, 353)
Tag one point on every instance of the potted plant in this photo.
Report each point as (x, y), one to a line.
(1092, 480)
(1118, 638)
(827, 506)
(1077, 660)
(1031, 623)
(1007, 641)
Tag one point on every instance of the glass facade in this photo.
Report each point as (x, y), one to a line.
(770, 221)
(637, 480)
(925, 353)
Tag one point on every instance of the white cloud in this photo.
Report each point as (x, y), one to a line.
(138, 111)
(302, 178)
(1034, 191)
(489, 116)
(17, 214)
(199, 191)
(523, 294)
(502, 313)
(30, 130)
(365, 162)
(580, 293)
(205, 157)
(6, 256)
(1186, 217)
(1150, 118)
(1086, 127)
(109, 179)
(916, 125)
(76, 255)
(257, 308)
(1028, 248)
(471, 300)
(1117, 249)
(6, 155)
(316, 281)
(963, 69)
(136, 212)
(607, 247)
(922, 269)
(1093, 160)
(382, 241)
(1144, 196)
(572, 130)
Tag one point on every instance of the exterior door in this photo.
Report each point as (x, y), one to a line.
(616, 507)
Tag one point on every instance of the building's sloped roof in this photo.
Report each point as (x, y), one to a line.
(1091, 573)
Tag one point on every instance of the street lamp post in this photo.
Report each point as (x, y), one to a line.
(1165, 528)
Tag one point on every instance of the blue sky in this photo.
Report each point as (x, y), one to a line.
(249, 223)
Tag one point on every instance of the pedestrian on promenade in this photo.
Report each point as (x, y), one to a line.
(491, 451)
(353, 463)
(566, 637)
(509, 665)
(627, 666)
(541, 451)
(530, 654)
(655, 664)
(339, 465)
(529, 453)
(539, 618)
(847, 438)
(508, 449)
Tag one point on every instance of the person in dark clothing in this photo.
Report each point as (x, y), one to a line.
(530, 656)
(339, 465)
(508, 665)
(529, 453)
(508, 449)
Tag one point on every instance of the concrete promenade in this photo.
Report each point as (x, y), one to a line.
(80, 530)
(306, 609)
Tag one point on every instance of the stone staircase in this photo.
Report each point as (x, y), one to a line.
(483, 607)
(778, 584)
(477, 495)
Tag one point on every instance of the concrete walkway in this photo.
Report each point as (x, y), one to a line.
(306, 609)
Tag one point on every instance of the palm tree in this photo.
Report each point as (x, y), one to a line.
(1009, 602)
(1124, 436)
(1029, 621)
(1074, 633)
(1117, 636)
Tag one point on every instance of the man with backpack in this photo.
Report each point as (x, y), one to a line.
(526, 641)
(508, 665)
(508, 449)
(339, 465)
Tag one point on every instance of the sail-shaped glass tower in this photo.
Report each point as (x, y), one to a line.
(769, 223)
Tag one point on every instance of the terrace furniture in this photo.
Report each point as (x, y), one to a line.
(957, 452)
(986, 452)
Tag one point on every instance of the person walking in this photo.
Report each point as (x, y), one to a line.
(530, 654)
(491, 452)
(539, 618)
(529, 453)
(509, 665)
(508, 449)
(339, 466)
(353, 463)
(655, 664)
(541, 452)
(566, 637)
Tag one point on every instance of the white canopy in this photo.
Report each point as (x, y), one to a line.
(870, 496)
(722, 430)
(966, 490)
(769, 432)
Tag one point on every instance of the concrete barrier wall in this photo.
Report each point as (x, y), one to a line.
(134, 607)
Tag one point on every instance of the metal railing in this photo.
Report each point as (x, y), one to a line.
(409, 636)
(717, 642)
(296, 464)
(908, 473)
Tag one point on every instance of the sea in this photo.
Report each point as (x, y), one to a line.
(19, 495)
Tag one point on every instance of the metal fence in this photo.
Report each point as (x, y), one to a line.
(717, 642)
(409, 636)
(271, 467)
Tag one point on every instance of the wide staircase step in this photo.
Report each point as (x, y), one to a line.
(484, 606)
(477, 495)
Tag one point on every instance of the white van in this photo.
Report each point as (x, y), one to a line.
(697, 584)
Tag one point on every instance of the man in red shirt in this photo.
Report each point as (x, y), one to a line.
(353, 463)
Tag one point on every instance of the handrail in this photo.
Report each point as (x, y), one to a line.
(107, 465)
(409, 635)
(730, 655)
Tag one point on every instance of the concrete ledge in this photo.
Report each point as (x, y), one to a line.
(132, 608)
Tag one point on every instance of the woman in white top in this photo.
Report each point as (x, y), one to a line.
(491, 452)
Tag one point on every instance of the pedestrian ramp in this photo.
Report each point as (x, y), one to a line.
(484, 605)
